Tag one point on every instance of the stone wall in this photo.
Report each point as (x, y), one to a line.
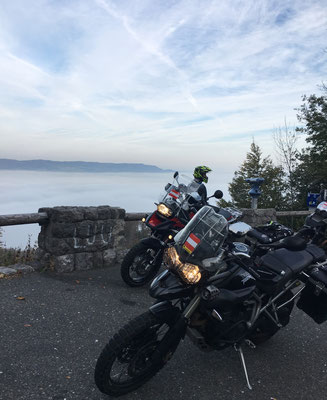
(134, 232)
(81, 238)
(258, 216)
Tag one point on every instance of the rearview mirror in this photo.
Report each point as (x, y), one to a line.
(176, 174)
(218, 194)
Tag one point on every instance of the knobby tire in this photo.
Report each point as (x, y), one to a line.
(138, 250)
(136, 328)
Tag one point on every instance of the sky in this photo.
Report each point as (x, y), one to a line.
(169, 83)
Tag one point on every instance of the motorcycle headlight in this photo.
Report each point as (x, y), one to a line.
(190, 273)
(164, 210)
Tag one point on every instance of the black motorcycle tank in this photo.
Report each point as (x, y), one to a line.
(237, 289)
(168, 286)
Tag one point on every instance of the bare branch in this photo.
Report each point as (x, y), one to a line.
(285, 140)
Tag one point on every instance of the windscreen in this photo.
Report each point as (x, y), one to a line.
(202, 237)
(176, 195)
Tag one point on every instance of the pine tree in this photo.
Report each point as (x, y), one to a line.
(313, 113)
(256, 166)
(312, 170)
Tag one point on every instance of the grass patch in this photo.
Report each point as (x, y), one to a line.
(10, 256)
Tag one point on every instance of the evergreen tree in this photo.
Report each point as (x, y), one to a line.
(256, 166)
(312, 169)
(313, 113)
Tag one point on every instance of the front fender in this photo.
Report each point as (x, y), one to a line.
(168, 286)
(153, 243)
(172, 316)
(165, 311)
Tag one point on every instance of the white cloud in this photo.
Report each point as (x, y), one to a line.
(154, 82)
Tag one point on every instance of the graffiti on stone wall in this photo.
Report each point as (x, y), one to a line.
(81, 238)
(95, 235)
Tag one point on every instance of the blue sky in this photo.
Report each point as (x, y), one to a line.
(170, 83)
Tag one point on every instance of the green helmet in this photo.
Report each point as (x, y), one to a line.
(200, 173)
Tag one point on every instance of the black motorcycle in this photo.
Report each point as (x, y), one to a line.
(315, 227)
(259, 238)
(214, 292)
(177, 205)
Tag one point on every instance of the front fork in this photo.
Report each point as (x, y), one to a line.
(155, 244)
(178, 329)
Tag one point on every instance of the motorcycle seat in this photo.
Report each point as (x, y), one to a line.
(293, 243)
(285, 262)
(317, 252)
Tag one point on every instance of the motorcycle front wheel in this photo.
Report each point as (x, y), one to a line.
(126, 361)
(140, 264)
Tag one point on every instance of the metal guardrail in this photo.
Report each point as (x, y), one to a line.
(292, 213)
(42, 217)
(21, 219)
(135, 216)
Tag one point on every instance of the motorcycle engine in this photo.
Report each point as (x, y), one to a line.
(220, 334)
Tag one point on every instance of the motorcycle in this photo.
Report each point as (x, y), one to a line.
(176, 207)
(315, 227)
(260, 238)
(214, 292)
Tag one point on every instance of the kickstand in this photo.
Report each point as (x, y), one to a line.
(238, 348)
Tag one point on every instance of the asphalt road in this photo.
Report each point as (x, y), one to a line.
(50, 341)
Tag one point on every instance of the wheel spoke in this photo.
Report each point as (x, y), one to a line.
(119, 375)
(142, 265)
(138, 356)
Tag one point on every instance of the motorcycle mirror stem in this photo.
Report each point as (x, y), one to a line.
(176, 174)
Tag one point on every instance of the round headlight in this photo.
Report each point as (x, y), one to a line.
(190, 273)
(164, 210)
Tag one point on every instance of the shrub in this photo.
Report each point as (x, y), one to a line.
(10, 256)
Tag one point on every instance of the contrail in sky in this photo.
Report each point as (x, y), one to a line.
(111, 9)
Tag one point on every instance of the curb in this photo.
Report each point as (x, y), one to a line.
(12, 270)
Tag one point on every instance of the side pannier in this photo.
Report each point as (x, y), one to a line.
(313, 298)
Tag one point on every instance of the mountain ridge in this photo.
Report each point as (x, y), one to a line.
(75, 166)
